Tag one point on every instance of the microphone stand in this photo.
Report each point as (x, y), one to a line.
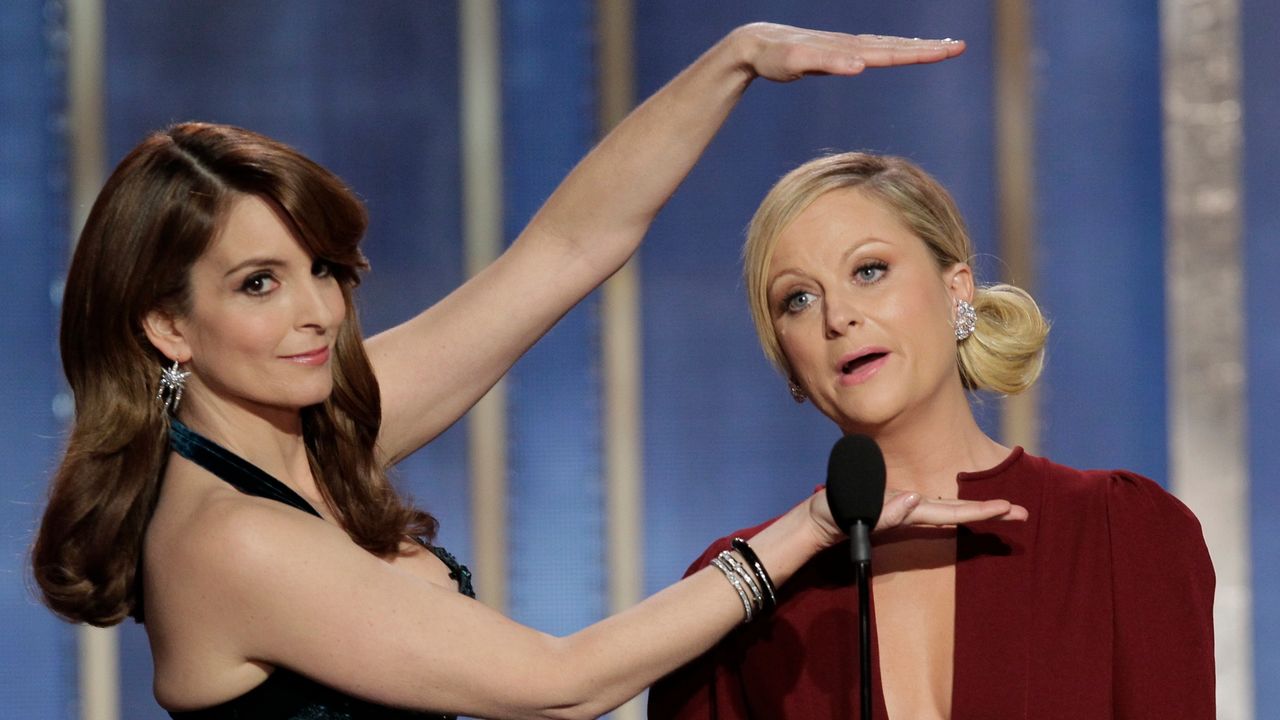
(864, 634)
(860, 548)
(855, 494)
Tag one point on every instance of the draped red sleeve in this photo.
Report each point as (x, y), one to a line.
(1163, 584)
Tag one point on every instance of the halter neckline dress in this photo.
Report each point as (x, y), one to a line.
(286, 695)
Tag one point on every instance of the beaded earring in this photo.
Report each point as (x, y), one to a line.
(172, 382)
(966, 320)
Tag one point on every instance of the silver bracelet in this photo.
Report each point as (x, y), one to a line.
(757, 596)
(732, 577)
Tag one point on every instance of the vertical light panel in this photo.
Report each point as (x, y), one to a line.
(85, 106)
(481, 130)
(1015, 166)
(99, 654)
(1204, 312)
(620, 351)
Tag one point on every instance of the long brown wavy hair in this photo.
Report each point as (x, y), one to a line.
(155, 216)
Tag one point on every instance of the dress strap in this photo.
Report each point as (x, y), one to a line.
(253, 480)
(460, 573)
(235, 470)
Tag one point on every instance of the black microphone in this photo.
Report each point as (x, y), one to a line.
(855, 490)
(855, 493)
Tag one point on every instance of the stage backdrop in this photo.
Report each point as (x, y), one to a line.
(372, 91)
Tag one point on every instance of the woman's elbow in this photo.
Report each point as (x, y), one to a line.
(573, 686)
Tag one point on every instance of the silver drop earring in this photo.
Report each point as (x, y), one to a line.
(966, 320)
(172, 381)
(797, 393)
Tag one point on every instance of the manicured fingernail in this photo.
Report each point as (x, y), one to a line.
(913, 499)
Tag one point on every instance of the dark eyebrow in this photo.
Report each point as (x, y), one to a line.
(255, 262)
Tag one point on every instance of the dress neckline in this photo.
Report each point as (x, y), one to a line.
(285, 693)
(253, 480)
(1016, 454)
(230, 467)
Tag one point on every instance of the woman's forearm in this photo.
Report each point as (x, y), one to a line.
(613, 660)
(604, 207)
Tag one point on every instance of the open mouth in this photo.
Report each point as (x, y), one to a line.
(861, 361)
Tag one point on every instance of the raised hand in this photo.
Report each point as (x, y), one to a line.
(434, 367)
(782, 53)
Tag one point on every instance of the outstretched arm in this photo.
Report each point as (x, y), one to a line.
(434, 367)
(289, 590)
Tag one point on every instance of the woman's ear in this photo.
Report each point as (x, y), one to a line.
(959, 282)
(165, 333)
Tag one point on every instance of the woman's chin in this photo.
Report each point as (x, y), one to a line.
(866, 418)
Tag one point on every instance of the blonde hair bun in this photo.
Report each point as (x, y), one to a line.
(1005, 353)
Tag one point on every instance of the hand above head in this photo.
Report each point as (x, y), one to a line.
(434, 367)
(782, 53)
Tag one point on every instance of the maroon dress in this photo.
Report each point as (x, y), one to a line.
(1099, 606)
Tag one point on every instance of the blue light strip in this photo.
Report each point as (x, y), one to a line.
(556, 498)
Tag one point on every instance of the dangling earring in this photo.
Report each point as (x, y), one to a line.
(172, 381)
(966, 320)
(797, 394)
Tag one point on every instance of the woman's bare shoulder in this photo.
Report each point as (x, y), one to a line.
(238, 585)
(208, 554)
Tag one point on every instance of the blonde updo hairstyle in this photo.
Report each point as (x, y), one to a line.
(1004, 354)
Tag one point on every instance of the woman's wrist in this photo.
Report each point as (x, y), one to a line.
(738, 50)
(824, 529)
(791, 540)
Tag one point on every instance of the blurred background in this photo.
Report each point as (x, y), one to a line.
(1112, 156)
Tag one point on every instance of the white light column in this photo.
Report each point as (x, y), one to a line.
(1204, 310)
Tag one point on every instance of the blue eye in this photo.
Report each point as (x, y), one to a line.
(870, 272)
(797, 301)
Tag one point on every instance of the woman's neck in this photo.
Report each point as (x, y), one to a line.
(270, 438)
(926, 447)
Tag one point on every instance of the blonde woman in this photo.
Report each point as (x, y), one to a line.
(1098, 606)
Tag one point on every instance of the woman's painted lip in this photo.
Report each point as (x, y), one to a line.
(863, 372)
(315, 357)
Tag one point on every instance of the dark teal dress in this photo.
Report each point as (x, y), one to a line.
(286, 695)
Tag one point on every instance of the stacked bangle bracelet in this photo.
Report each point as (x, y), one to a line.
(749, 579)
(770, 599)
(748, 606)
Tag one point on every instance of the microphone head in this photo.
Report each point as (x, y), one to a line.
(855, 481)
